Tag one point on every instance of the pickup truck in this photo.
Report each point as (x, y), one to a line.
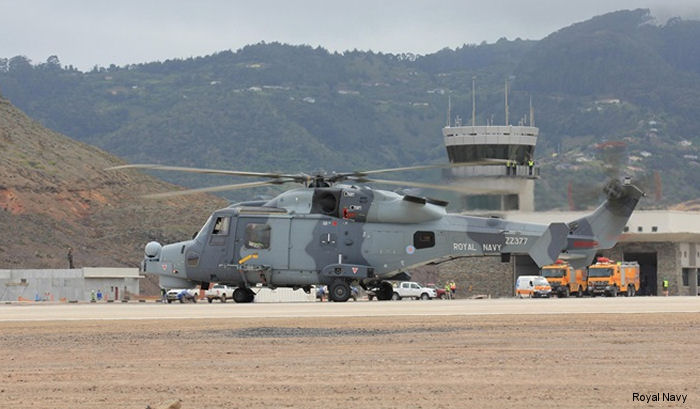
(410, 289)
(219, 292)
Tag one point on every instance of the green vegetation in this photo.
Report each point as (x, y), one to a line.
(271, 107)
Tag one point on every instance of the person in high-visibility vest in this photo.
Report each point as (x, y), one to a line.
(665, 286)
(530, 165)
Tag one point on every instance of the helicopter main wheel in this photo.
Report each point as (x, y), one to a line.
(339, 291)
(243, 295)
(385, 292)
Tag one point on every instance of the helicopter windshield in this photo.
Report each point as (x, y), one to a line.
(204, 227)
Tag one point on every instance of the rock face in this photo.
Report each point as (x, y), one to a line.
(56, 195)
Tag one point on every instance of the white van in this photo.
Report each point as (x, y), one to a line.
(532, 286)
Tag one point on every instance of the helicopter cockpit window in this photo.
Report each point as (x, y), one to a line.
(221, 226)
(423, 239)
(257, 236)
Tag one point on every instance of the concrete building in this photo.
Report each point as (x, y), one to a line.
(69, 284)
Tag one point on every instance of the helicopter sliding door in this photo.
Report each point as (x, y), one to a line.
(268, 237)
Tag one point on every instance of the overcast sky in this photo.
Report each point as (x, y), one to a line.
(85, 33)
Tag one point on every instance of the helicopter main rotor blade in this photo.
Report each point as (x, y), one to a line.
(222, 188)
(297, 177)
(449, 188)
(346, 175)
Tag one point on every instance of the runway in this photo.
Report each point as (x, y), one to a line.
(156, 311)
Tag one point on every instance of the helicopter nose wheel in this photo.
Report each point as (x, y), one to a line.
(243, 295)
(339, 291)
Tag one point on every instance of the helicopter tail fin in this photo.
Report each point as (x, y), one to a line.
(601, 229)
(548, 246)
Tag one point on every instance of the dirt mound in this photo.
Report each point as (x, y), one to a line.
(55, 194)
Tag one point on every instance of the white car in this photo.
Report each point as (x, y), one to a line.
(182, 295)
(219, 292)
(410, 289)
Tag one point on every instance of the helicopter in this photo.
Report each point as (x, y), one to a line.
(336, 231)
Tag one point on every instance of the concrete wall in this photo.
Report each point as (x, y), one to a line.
(479, 276)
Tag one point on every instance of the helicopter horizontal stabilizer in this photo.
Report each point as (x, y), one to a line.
(548, 246)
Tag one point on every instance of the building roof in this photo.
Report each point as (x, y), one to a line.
(110, 272)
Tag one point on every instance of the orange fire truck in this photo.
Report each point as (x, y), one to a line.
(564, 279)
(609, 277)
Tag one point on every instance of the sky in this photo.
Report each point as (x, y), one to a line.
(85, 33)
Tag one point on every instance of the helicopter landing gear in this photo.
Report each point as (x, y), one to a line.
(385, 291)
(243, 295)
(339, 291)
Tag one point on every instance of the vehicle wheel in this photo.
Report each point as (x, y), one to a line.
(395, 296)
(339, 291)
(223, 298)
(210, 300)
(424, 296)
(370, 297)
(169, 301)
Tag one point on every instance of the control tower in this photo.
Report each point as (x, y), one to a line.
(495, 186)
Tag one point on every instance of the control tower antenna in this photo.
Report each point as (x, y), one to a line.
(507, 102)
(449, 110)
(532, 113)
(474, 100)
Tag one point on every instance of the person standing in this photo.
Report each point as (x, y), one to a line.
(70, 257)
(665, 287)
(453, 288)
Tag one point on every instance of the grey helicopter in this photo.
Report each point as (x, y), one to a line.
(335, 231)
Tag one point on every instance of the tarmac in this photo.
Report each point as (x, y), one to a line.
(19, 312)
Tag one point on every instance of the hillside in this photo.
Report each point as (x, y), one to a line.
(620, 78)
(55, 194)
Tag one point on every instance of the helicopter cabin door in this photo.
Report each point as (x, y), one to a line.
(216, 252)
(268, 237)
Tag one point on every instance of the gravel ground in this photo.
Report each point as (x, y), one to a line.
(562, 361)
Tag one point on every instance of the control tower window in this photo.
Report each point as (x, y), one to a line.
(471, 153)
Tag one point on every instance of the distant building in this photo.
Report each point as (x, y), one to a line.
(68, 284)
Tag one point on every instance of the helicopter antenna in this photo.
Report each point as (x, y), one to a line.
(474, 100)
